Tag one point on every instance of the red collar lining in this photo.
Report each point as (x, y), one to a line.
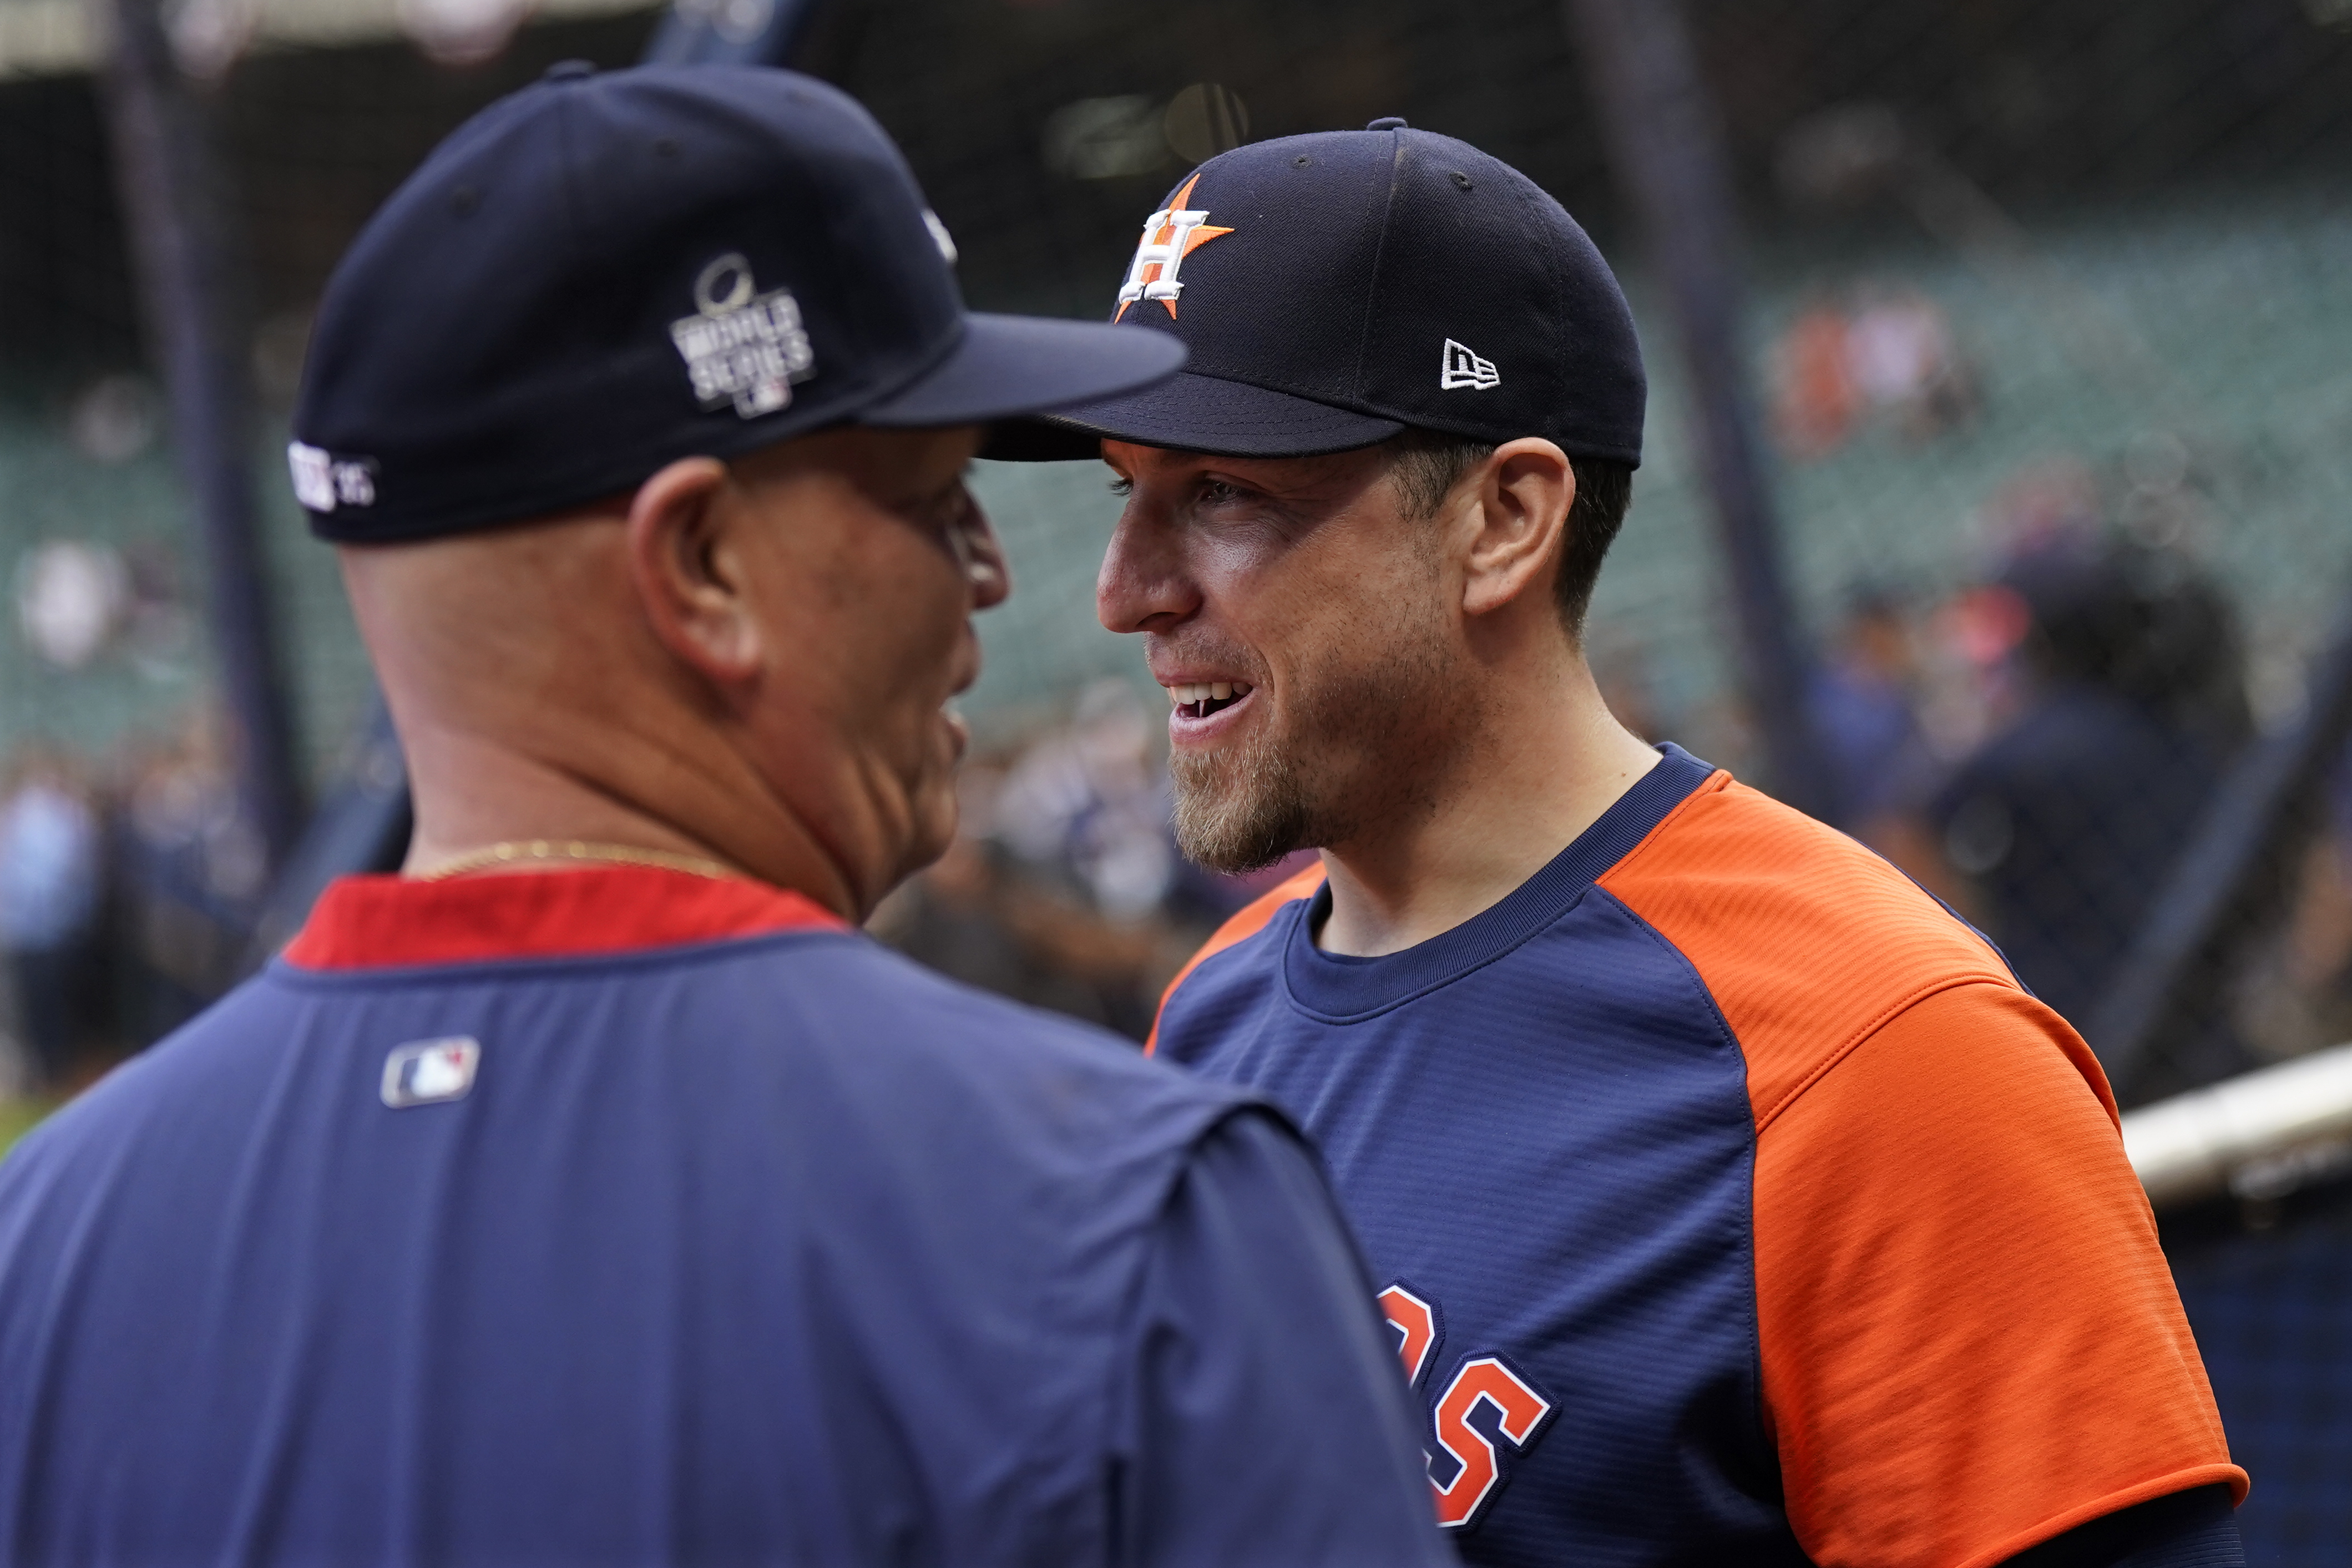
(382, 923)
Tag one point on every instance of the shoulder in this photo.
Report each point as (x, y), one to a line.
(743, 1036)
(900, 1048)
(207, 1072)
(1249, 922)
(1806, 941)
(965, 1034)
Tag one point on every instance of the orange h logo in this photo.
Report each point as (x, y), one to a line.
(1169, 236)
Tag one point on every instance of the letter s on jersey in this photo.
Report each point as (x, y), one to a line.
(1519, 1411)
(1481, 1384)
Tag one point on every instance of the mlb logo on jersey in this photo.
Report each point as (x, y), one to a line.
(428, 1072)
(1170, 235)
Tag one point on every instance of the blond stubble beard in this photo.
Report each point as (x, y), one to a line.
(1357, 750)
(1239, 809)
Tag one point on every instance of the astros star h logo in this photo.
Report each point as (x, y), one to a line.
(1169, 236)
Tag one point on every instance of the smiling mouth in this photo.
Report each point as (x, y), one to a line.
(1200, 698)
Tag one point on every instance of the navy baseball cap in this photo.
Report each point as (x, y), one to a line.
(1334, 288)
(605, 272)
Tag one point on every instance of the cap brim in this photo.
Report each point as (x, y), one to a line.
(1009, 366)
(1195, 413)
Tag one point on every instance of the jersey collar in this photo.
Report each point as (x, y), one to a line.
(1339, 988)
(384, 923)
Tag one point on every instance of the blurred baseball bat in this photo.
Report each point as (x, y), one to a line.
(2259, 1136)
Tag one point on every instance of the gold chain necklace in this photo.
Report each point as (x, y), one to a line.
(513, 850)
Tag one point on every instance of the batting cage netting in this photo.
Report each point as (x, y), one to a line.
(2034, 323)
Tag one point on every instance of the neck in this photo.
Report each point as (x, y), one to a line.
(1545, 760)
(471, 792)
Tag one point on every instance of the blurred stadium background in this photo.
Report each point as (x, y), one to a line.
(2036, 319)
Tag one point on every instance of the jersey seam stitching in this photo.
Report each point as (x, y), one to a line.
(1765, 1429)
(1180, 986)
(1201, 960)
(550, 965)
(1715, 784)
(1273, 920)
(1862, 1036)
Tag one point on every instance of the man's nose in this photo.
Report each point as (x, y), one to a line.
(1142, 585)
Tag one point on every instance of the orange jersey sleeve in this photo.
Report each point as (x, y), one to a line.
(1968, 1335)
(1971, 1342)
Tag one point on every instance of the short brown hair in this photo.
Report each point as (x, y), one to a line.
(1428, 464)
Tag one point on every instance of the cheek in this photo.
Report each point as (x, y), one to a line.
(921, 626)
(885, 642)
(918, 653)
(1314, 611)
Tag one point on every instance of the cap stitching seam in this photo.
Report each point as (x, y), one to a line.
(1380, 257)
(572, 206)
(1525, 193)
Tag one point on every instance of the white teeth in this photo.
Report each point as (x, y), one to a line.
(1188, 693)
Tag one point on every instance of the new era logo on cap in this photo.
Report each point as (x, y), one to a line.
(1461, 368)
(428, 1072)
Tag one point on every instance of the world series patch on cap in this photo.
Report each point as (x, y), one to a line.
(1334, 288)
(605, 272)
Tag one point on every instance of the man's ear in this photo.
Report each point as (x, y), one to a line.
(1521, 504)
(688, 572)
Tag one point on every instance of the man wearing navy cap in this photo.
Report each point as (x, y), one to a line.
(1730, 1201)
(594, 1191)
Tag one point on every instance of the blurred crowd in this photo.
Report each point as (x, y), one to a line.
(2038, 747)
(127, 887)
(2034, 746)
(1873, 351)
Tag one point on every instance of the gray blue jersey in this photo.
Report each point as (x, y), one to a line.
(623, 1216)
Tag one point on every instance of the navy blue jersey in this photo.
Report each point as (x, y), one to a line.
(1730, 1202)
(691, 1228)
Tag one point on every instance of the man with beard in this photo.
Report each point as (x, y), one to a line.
(594, 1191)
(1731, 1201)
